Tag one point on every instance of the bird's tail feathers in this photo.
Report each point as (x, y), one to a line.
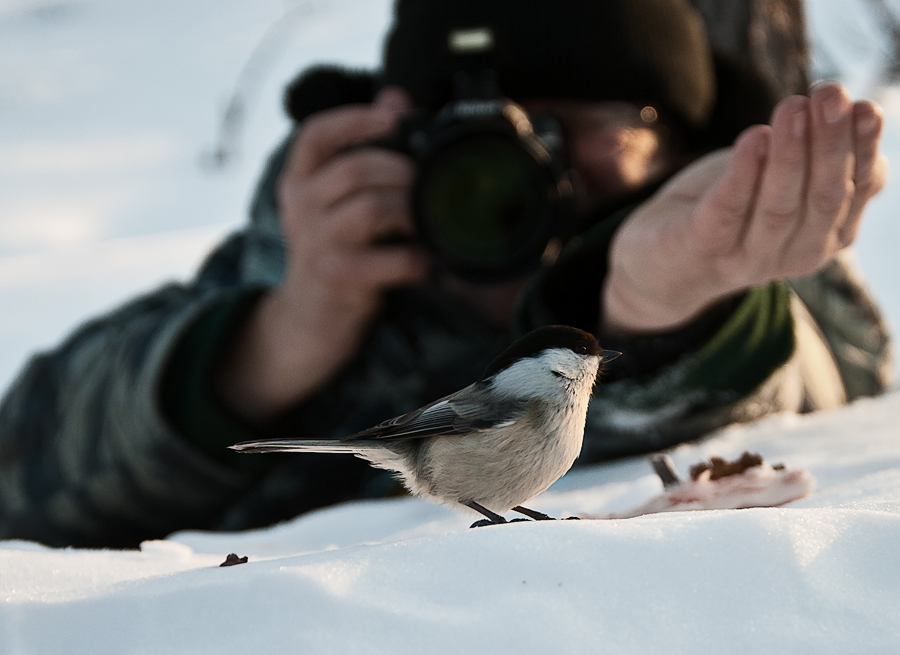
(295, 446)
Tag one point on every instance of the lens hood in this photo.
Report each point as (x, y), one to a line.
(492, 193)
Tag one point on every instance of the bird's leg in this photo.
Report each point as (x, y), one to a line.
(530, 513)
(492, 517)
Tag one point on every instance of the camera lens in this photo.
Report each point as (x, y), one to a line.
(484, 202)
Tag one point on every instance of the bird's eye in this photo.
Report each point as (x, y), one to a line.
(558, 374)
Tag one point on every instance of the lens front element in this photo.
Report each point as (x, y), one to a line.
(484, 203)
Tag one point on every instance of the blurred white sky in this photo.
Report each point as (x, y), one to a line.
(109, 109)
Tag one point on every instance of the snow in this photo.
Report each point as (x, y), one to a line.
(402, 576)
(110, 112)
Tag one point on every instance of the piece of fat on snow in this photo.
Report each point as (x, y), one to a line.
(746, 482)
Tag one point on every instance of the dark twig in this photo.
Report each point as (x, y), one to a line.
(890, 25)
(249, 81)
(665, 469)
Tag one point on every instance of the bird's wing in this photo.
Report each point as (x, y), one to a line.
(465, 411)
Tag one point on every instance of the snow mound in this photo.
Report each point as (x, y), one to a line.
(401, 576)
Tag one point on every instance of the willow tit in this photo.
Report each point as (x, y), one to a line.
(495, 444)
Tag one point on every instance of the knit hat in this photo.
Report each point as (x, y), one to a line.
(643, 51)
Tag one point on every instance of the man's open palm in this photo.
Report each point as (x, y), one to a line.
(780, 203)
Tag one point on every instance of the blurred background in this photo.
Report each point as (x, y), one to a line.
(132, 133)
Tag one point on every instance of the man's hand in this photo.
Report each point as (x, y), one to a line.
(335, 203)
(780, 203)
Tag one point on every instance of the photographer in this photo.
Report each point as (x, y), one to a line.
(327, 314)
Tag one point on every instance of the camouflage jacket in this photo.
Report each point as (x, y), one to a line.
(115, 436)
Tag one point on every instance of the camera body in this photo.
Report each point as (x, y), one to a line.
(492, 195)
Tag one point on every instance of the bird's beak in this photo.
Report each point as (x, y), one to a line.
(609, 355)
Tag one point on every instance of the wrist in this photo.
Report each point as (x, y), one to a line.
(276, 359)
(626, 311)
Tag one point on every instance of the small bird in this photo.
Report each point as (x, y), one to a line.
(494, 444)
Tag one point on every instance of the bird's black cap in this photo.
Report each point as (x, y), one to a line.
(544, 338)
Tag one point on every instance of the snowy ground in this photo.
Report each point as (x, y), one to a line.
(401, 576)
(109, 115)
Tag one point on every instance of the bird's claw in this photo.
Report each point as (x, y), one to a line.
(484, 522)
(532, 514)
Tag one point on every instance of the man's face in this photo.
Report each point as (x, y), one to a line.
(616, 147)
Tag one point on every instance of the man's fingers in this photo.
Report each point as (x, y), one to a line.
(362, 170)
(830, 187)
(321, 136)
(780, 203)
(723, 214)
(870, 171)
(387, 266)
(394, 99)
(366, 217)
(362, 271)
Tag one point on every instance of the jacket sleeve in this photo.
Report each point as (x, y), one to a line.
(851, 323)
(760, 353)
(86, 457)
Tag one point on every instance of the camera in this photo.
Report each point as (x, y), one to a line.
(492, 195)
